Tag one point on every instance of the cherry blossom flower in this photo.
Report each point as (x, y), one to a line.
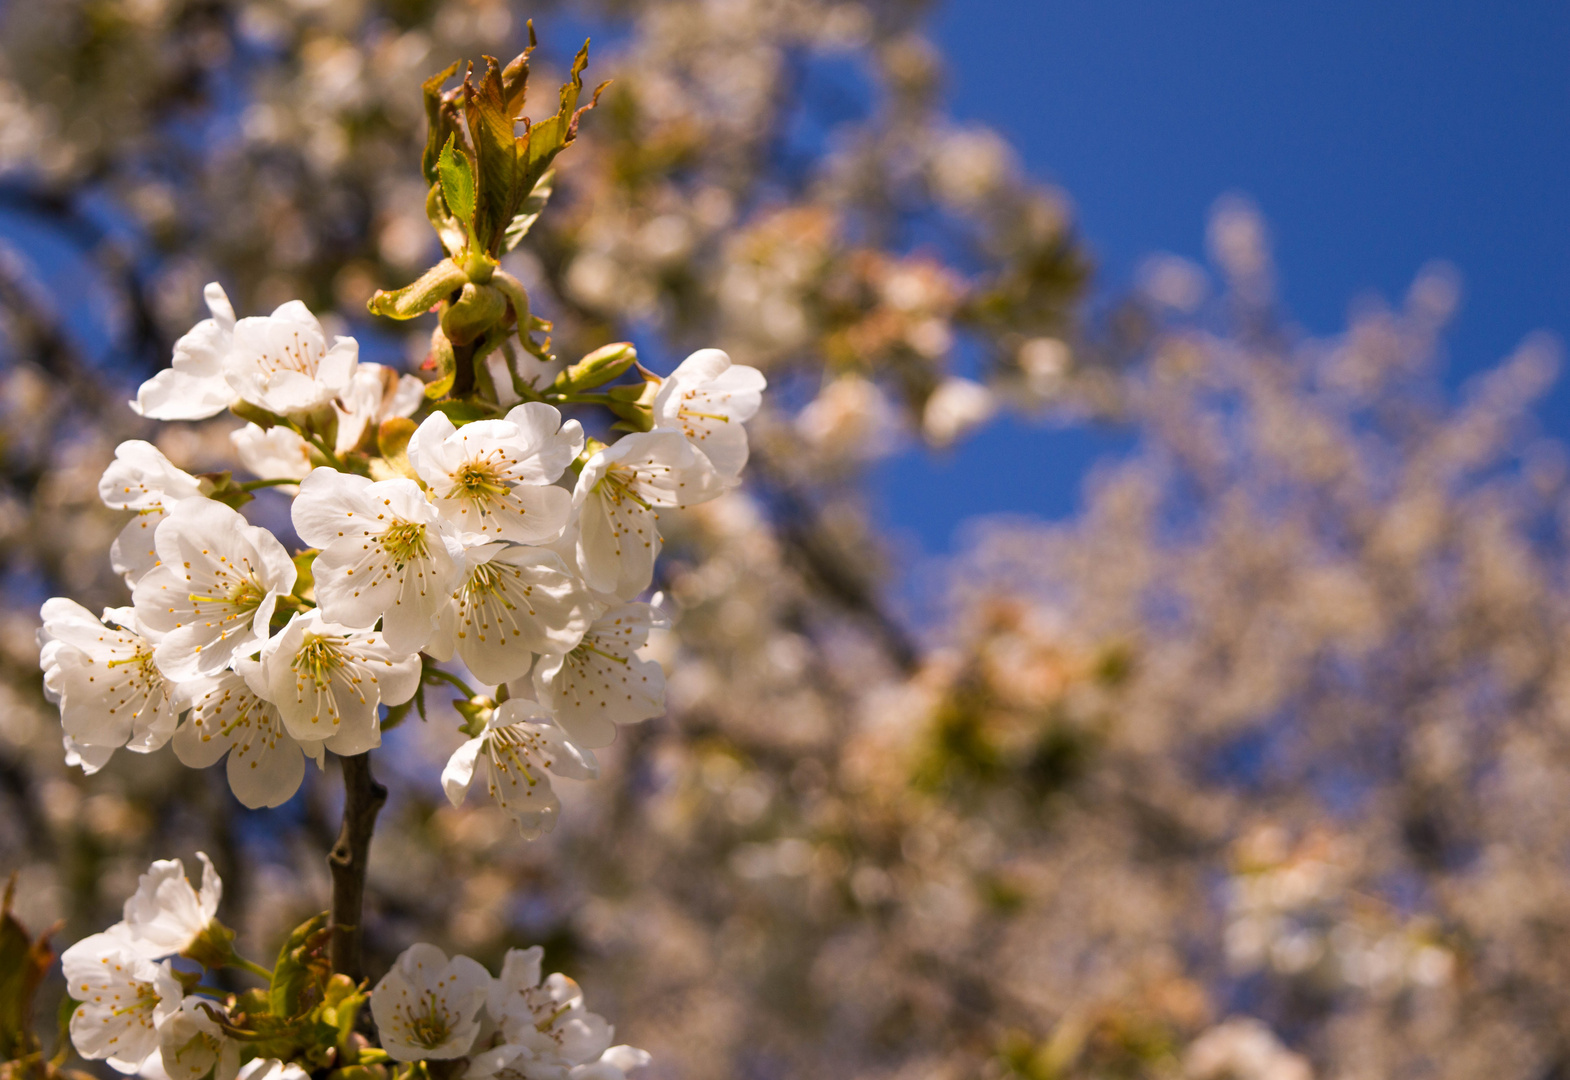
(191, 1045)
(955, 408)
(212, 596)
(518, 747)
(384, 554)
(707, 399)
(194, 387)
(602, 681)
(618, 494)
(327, 681)
(124, 997)
(271, 1069)
(513, 601)
(548, 1018)
(166, 914)
(614, 1064)
(275, 453)
(229, 716)
(374, 394)
(282, 363)
(494, 479)
(427, 1006)
(103, 676)
(140, 478)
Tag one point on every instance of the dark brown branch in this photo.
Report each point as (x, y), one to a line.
(362, 800)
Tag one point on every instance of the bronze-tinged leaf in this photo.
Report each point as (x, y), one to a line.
(496, 157)
(515, 77)
(441, 117)
(554, 134)
(23, 963)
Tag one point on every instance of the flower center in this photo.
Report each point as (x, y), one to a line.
(405, 542)
(300, 356)
(616, 485)
(143, 659)
(479, 481)
(317, 659)
(430, 1027)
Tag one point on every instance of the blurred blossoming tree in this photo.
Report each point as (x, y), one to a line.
(1252, 771)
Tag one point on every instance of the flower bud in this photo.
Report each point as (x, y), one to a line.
(598, 368)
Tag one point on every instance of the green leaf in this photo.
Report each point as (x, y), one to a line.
(529, 211)
(302, 969)
(457, 180)
(415, 299)
(465, 412)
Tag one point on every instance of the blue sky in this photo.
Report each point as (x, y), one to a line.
(1374, 136)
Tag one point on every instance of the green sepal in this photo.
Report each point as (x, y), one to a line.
(257, 415)
(304, 574)
(220, 487)
(301, 969)
(634, 404)
(415, 299)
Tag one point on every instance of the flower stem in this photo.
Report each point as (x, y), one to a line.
(447, 676)
(253, 967)
(252, 485)
(362, 800)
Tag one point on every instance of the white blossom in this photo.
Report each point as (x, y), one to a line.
(141, 479)
(327, 681)
(602, 681)
(275, 453)
(271, 1069)
(494, 479)
(110, 691)
(374, 394)
(427, 1006)
(513, 601)
(707, 399)
(213, 594)
(193, 387)
(191, 1045)
(546, 1017)
(617, 496)
(512, 756)
(124, 997)
(89, 758)
(614, 1064)
(384, 554)
(282, 363)
(229, 716)
(166, 914)
(955, 408)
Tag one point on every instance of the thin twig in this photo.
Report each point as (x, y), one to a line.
(362, 800)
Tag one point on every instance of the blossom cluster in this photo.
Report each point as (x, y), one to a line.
(144, 1008)
(509, 541)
